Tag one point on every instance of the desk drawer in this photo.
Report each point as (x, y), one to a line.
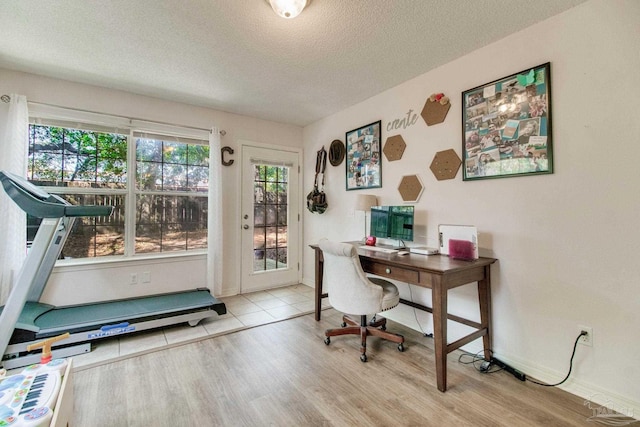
(395, 273)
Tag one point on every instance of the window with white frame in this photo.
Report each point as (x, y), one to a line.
(172, 182)
(157, 183)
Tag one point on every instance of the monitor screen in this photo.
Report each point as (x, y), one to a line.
(392, 222)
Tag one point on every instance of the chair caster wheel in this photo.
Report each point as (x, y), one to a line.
(343, 324)
(363, 358)
(327, 340)
(400, 347)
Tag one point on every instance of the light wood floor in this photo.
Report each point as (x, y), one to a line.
(282, 374)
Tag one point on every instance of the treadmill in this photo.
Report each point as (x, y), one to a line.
(24, 320)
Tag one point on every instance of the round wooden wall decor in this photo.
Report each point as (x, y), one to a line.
(336, 152)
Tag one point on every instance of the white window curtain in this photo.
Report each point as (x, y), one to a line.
(214, 235)
(14, 148)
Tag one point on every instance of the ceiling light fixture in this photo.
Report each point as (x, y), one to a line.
(288, 8)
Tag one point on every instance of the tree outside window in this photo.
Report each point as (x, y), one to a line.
(91, 167)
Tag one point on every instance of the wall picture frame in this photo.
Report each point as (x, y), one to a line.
(364, 163)
(506, 126)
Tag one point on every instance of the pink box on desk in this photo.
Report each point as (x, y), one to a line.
(461, 249)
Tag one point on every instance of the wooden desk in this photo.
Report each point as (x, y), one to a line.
(440, 273)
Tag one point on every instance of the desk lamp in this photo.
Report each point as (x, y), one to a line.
(364, 202)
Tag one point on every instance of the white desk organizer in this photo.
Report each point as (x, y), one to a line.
(457, 232)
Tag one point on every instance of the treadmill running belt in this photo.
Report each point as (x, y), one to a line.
(124, 310)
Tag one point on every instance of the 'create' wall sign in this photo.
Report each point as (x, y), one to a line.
(410, 119)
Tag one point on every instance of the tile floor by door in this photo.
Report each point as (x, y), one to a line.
(243, 311)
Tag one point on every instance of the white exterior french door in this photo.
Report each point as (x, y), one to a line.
(270, 218)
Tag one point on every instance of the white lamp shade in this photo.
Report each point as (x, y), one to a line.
(288, 8)
(365, 201)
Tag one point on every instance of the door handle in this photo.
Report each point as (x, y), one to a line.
(246, 227)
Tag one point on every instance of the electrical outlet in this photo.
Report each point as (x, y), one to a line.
(586, 339)
(133, 279)
(145, 277)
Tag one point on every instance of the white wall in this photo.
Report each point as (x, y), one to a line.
(81, 283)
(566, 242)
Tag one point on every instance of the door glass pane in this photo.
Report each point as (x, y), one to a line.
(270, 217)
(258, 215)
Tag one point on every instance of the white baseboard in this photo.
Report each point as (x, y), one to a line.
(595, 397)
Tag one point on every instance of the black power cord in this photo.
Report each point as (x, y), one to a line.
(415, 314)
(513, 371)
(480, 363)
(582, 333)
(485, 366)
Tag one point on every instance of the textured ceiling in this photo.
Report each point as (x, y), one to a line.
(240, 57)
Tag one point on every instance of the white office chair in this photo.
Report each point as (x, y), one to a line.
(351, 291)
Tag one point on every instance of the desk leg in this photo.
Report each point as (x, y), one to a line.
(439, 297)
(319, 277)
(484, 298)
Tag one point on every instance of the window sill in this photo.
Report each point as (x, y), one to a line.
(146, 259)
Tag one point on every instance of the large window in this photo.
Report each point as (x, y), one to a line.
(84, 167)
(158, 187)
(172, 180)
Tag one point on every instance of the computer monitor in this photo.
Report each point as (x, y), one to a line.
(392, 222)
